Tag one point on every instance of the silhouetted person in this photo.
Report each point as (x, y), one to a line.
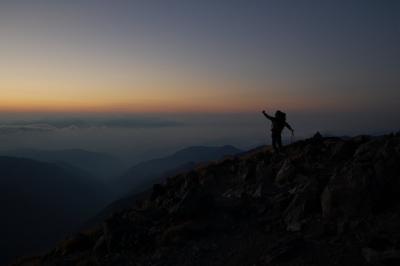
(278, 124)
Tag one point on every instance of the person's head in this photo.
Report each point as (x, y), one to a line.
(280, 115)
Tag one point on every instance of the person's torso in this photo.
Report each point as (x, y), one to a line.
(277, 125)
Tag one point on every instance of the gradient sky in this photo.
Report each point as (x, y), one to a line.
(199, 56)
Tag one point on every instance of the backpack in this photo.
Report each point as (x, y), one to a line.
(281, 116)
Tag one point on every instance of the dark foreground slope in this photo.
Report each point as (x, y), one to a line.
(40, 203)
(139, 179)
(326, 202)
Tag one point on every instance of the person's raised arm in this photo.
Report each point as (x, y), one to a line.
(267, 116)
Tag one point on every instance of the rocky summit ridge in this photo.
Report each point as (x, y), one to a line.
(324, 201)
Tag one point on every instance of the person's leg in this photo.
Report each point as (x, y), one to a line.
(279, 140)
(274, 142)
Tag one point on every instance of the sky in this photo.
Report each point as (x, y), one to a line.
(199, 56)
(143, 78)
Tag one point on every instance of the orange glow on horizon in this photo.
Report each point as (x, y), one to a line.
(182, 96)
(214, 105)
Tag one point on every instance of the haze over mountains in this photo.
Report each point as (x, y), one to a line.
(144, 174)
(136, 138)
(101, 165)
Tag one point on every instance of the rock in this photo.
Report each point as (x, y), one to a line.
(233, 193)
(317, 136)
(346, 197)
(363, 185)
(183, 232)
(264, 172)
(247, 171)
(391, 257)
(342, 150)
(123, 232)
(158, 191)
(281, 201)
(304, 203)
(78, 243)
(371, 256)
(283, 250)
(387, 257)
(194, 203)
(286, 173)
(259, 191)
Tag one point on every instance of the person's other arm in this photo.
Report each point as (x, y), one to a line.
(289, 127)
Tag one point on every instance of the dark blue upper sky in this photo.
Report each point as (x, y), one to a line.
(201, 55)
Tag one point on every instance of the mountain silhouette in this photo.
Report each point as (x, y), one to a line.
(101, 165)
(41, 203)
(326, 201)
(142, 175)
(126, 202)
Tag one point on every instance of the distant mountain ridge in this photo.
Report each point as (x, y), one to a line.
(142, 175)
(100, 165)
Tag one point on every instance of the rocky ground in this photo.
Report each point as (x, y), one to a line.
(325, 201)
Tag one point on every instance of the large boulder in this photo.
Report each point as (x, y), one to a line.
(195, 203)
(286, 173)
(304, 203)
(366, 184)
